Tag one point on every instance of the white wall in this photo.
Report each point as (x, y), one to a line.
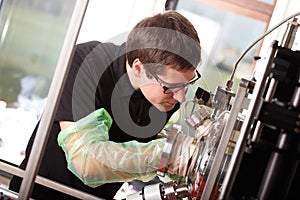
(106, 19)
(111, 20)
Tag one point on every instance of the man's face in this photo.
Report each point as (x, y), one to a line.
(154, 92)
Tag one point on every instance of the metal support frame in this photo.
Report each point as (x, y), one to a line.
(48, 183)
(226, 134)
(52, 101)
(254, 106)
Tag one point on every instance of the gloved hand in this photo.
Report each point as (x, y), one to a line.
(95, 160)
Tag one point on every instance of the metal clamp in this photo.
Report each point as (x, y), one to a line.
(163, 163)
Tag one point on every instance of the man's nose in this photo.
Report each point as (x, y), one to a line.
(180, 95)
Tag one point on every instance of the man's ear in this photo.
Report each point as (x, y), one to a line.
(137, 67)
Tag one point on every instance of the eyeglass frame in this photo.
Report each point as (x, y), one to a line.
(170, 89)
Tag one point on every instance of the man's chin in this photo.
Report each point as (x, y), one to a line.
(164, 108)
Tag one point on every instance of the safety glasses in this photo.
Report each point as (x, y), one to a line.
(175, 88)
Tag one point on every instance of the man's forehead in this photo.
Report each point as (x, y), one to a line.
(174, 76)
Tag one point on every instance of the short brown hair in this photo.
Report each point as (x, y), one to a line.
(164, 39)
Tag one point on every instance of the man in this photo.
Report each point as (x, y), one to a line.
(140, 84)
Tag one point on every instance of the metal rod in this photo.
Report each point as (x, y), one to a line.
(290, 34)
(281, 168)
(48, 183)
(269, 96)
(246, 127)
(53, 96)
(226, 134)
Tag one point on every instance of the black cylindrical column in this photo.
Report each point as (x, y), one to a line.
(281, 168)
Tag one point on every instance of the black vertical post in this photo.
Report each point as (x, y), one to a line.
(171, 4)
